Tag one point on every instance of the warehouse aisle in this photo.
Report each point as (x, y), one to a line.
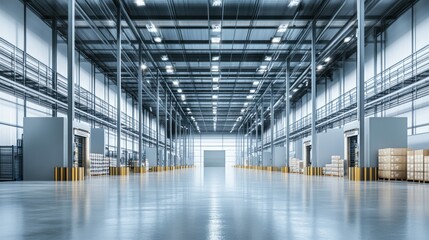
(213, 204)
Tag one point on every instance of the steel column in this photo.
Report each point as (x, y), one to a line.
(171, 132)
(118, 82)
(272, 124)
(262, 132)
(256, 142)
(54, 51)
(157, 119)
(70, 81)
(361, 81)
(180, 140)
(165, 130)
(140, 103)
(287, 129)
(313, 95)
(24, 57)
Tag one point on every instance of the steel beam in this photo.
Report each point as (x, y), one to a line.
(70, 81)
(361, 81)
(140, 103)
(118, 82)
(313, 95)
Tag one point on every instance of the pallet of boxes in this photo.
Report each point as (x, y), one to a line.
(335, 168)
(392, 163)
(296, 165)
(418, 165)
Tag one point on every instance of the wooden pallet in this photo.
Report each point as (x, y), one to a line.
(392, 179)
(417, 181)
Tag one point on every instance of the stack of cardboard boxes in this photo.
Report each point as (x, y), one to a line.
(392, 163)
(417, 159)
(296, 165)
(426, 168)
(335, 168)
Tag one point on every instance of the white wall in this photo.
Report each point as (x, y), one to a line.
(225, 142)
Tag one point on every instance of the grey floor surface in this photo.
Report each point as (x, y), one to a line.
(214, 203)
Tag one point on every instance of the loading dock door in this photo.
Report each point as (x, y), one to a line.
(214, 158)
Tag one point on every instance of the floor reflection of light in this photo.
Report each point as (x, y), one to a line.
(215, 217)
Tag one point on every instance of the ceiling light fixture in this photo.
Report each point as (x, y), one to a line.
(268, 58)
(252, 90)
(215, 79)
(215, 103)
(151, 28)
(157, 39)
(249, 96)
(179, 90)
(295, 90)
(214, 96)
(183, 97)
(215, 68)
(282, 28)
(164, 58)
(215, 87)
(255, 83)
(276, 40)
(176, 83)
(217, 3)
(140, 3)
(294, 3)
(328, 59)
(242, 110)
(215, 58)
(216, 28)
(347, 39)
(143, 66)
(215, 40)
(320, 67)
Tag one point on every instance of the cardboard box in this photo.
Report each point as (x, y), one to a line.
(410, 175)
(418, 167)
(393, 159)
(400, 175)
(393, 152)
(419, 176)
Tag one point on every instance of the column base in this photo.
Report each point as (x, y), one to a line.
(363, 174)
(139, 169)
(67, 174)
(119, 171)
(313, 171)
(285, 169)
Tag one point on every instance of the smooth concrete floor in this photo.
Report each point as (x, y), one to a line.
(214, 203)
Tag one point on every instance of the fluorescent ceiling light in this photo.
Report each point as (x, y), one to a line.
(242, 110)
(215, 79)
(189, 113)
(246, 104)
(295, 90)
(183, 97)
(214, 96)
(214, 103)
(143, 66)
(268, 58)
(216, 28)
(188, 109)
(347, 39)
(320, 67)
(282, 28)
(294, 3)
(158, 39)
(215, 87)
(255, 83)
(215, 58)
(140, 3)
(214, 112)
(176, 83)
(252, 90)
(249, 96)
(328, 59)
(216, 3)
(164, 58)
(151, 28)
(263, 67)
(180, 91)
(215, 68)
(276, 39)
(215, 39)
(169, 69)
